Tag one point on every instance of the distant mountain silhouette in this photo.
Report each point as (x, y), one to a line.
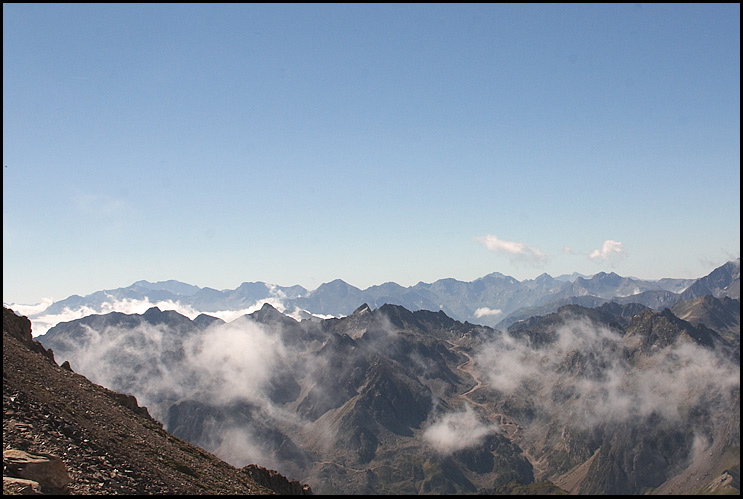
(494, 300)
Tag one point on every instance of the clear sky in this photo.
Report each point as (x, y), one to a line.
(297, 144)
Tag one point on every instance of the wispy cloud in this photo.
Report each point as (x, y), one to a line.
(517, 251)
(224, 365)
(610, 251)
(100, 205)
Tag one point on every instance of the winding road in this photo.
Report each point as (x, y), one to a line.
(512, 430)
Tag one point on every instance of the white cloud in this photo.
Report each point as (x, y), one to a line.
(30, 309)
(457, 431)
(222, 364)
(610, 250)
(515, 250)
(42, 322)
(484, 311)
(235, 360)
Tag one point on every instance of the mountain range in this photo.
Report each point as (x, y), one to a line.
(63, 434)
(494, 300)
(612, 398)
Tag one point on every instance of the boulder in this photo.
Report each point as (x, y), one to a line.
(47, 470)
(20, 486)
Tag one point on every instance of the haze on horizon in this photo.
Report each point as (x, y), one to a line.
(298, 144)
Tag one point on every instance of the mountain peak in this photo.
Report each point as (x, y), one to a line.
(268, 314)
(268, 306)
(497, 276)
(171, 286)
(362, 310)
(544, 277)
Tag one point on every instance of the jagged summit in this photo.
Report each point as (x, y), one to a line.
(660, 329)
(544, 277)
(363, 309)
(723, 281)
(269, 314)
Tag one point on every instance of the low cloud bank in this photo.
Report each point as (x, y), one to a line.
(586, 376)
(224, 365)
(42, 322)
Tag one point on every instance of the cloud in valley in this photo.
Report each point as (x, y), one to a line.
(584, 368)
(222, 364)
(234, 361)
(29, 310)
(42, 321)
(485, 311)
(226, 366)
(456, 431)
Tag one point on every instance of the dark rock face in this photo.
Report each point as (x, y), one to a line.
(128, 401)
(635, 458)
(660, 330)
(20, 328)
(276, 481)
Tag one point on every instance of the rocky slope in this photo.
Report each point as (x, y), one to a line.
(107, 442)
(720, 314)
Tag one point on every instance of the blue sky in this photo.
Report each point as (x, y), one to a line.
(297, 144)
